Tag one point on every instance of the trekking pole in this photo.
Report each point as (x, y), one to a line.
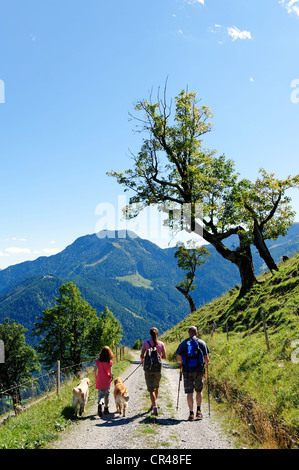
(181, 373)
(208, 389)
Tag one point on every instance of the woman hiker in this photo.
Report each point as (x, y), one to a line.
(152, 379)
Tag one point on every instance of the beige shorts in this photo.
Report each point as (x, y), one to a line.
(193, 380)
(152, 380)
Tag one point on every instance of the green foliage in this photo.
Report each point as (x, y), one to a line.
(266, 202)
(189, 258)
(138, 344)
(155, 180)
(72, 331)
(106, 332)
(20, 359)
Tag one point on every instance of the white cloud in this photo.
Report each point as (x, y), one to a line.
(236, 33)
(251, 79)
(193, 2)
(14, 250)
(233, 32)
(16, 239)
(292, 6)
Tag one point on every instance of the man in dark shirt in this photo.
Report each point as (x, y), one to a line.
(193, 353)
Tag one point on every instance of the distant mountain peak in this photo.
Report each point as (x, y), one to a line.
(116, 234)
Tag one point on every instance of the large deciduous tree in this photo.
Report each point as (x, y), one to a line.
(172, 167)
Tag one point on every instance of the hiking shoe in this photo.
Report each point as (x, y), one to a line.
(155, 411)
(106, 410)
(198, 414)
(191, 416)
(100, 413)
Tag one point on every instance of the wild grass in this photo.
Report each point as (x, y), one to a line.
(257, 385)
(43, 421)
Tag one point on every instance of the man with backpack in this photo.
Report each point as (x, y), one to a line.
(152, 353)
(193, 353)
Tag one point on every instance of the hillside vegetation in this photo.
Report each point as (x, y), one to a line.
(259, 383)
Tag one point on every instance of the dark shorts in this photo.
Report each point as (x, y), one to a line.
(152, 380)
(193, 381)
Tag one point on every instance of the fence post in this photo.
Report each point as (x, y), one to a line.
(58, 377)
(265, 330)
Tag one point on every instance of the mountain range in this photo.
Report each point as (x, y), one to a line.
(134, 277)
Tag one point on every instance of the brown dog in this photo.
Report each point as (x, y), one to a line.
(80, 395)
(121, 395)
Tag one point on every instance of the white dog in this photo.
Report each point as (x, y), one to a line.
(80, 395)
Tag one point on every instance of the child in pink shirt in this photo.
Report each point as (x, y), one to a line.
(103, 377)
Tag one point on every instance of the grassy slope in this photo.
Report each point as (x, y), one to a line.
(260, 386)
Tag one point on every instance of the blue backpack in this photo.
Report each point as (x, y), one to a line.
(192, 354)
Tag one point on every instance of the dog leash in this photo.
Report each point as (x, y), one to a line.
(133, 371)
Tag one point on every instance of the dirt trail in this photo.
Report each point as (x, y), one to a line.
(138, 430)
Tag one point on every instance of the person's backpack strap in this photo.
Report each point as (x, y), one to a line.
(153, 361)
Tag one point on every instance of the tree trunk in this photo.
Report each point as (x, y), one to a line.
(189, 298)
(246, 270)
(260, 244)
(241, 257)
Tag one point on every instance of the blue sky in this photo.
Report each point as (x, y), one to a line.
(72, 70)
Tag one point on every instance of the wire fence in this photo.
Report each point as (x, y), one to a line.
(39, 386)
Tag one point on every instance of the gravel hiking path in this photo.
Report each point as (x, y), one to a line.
(138, 430)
